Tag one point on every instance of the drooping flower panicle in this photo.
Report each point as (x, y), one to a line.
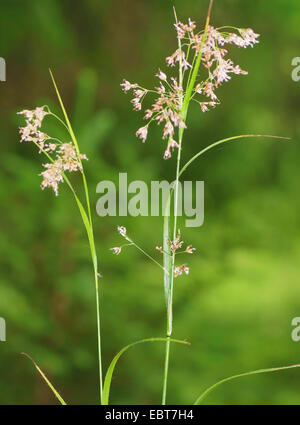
(66, 157)
(31, 132)
(167, 107)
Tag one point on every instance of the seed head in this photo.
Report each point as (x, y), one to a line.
(167, 106)
(66, 158)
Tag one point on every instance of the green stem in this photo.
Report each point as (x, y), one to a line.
(166, 371)
(89, 228)
(184, 110)
(170, 302)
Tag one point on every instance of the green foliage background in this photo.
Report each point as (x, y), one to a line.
(237, 304)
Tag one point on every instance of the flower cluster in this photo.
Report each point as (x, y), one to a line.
(66, 157)
(175, 245)
(32, 133)
(167, 107)
(123, 232)
(181, 269)
(66, 160)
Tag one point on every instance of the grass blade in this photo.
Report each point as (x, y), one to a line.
(255, 372)
(229, 139)
(56, 393)
(65, 113)
(87, 220)
(110, 370)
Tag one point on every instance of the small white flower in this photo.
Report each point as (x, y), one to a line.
(181, 269)
(142, 133)
(52, 175)
(161, 75)
(199, 89)
(167, 154)
(249, 36)
(116, 250)
(204, 107)
(185, 65)
(126, 85)
(148, 114)
(122, 230)
(189, 249)
(137, 106)
(168, 130)
(139, 93)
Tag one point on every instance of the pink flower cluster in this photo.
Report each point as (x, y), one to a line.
(66, 158)
(175, 245)
(32, 133)
(167, 107)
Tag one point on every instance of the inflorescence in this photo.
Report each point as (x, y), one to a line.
(167, 108)
(66, 157)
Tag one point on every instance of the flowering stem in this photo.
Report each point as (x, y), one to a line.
(184, 111)
(170, 301)
(194, 75)
(87, 221)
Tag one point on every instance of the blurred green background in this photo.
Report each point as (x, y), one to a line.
(243, 290)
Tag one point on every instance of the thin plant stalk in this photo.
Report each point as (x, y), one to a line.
(184, 111)
(87, 221)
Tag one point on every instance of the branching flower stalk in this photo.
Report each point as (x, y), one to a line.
(185, 101)
(64, 156)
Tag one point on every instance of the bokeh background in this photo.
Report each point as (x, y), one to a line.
(237, 304)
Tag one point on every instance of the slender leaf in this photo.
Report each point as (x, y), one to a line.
(56, 393)
(229, 139)
(87, 220)
(255, 372)
(65, 113)
(110, 370)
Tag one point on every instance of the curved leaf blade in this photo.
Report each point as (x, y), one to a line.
(229, 139)
(231, 378)
(110, 370)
